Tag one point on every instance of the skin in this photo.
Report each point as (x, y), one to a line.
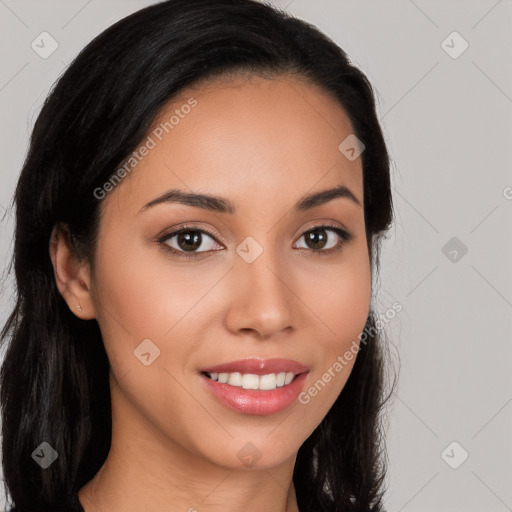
(262, 144)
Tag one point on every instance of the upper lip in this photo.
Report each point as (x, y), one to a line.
(258, 366)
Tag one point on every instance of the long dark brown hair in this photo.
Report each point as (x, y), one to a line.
(54, 378)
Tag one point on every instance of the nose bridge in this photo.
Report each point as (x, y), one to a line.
(263, 298)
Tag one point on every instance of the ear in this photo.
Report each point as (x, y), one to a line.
(72, 275)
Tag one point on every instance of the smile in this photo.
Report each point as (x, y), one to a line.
(251, 381)
(256, 386)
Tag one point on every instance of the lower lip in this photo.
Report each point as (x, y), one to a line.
(256, 401)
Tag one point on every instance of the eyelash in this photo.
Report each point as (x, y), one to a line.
(344, 236)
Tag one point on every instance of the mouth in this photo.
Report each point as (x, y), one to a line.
(265, 382)
(256, 386)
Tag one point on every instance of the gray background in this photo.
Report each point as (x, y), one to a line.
(448, 125)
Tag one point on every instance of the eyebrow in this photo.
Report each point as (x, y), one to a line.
(222, 205)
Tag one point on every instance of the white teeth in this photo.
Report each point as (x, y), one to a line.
(251, 381)
(235, 379)
(288, 378)
(268, 381)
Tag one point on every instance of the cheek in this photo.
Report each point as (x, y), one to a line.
(341, 298)
(141, 298)
(138, 292)
(342, 303)
(141, 295)
(131, 295)
(354, 297)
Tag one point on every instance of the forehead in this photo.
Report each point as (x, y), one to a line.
(245, 138)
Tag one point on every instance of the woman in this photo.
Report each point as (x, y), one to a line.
(197, 224)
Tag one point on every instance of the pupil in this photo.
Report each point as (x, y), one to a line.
(318, 238)
(191, 240)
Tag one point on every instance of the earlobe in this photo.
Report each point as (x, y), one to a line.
(72, 274)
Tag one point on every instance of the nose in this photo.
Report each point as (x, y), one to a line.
(261, 297)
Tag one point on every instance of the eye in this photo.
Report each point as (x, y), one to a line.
(188, 241)
(317, 238)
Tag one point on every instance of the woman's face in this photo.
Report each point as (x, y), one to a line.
(259, 282)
